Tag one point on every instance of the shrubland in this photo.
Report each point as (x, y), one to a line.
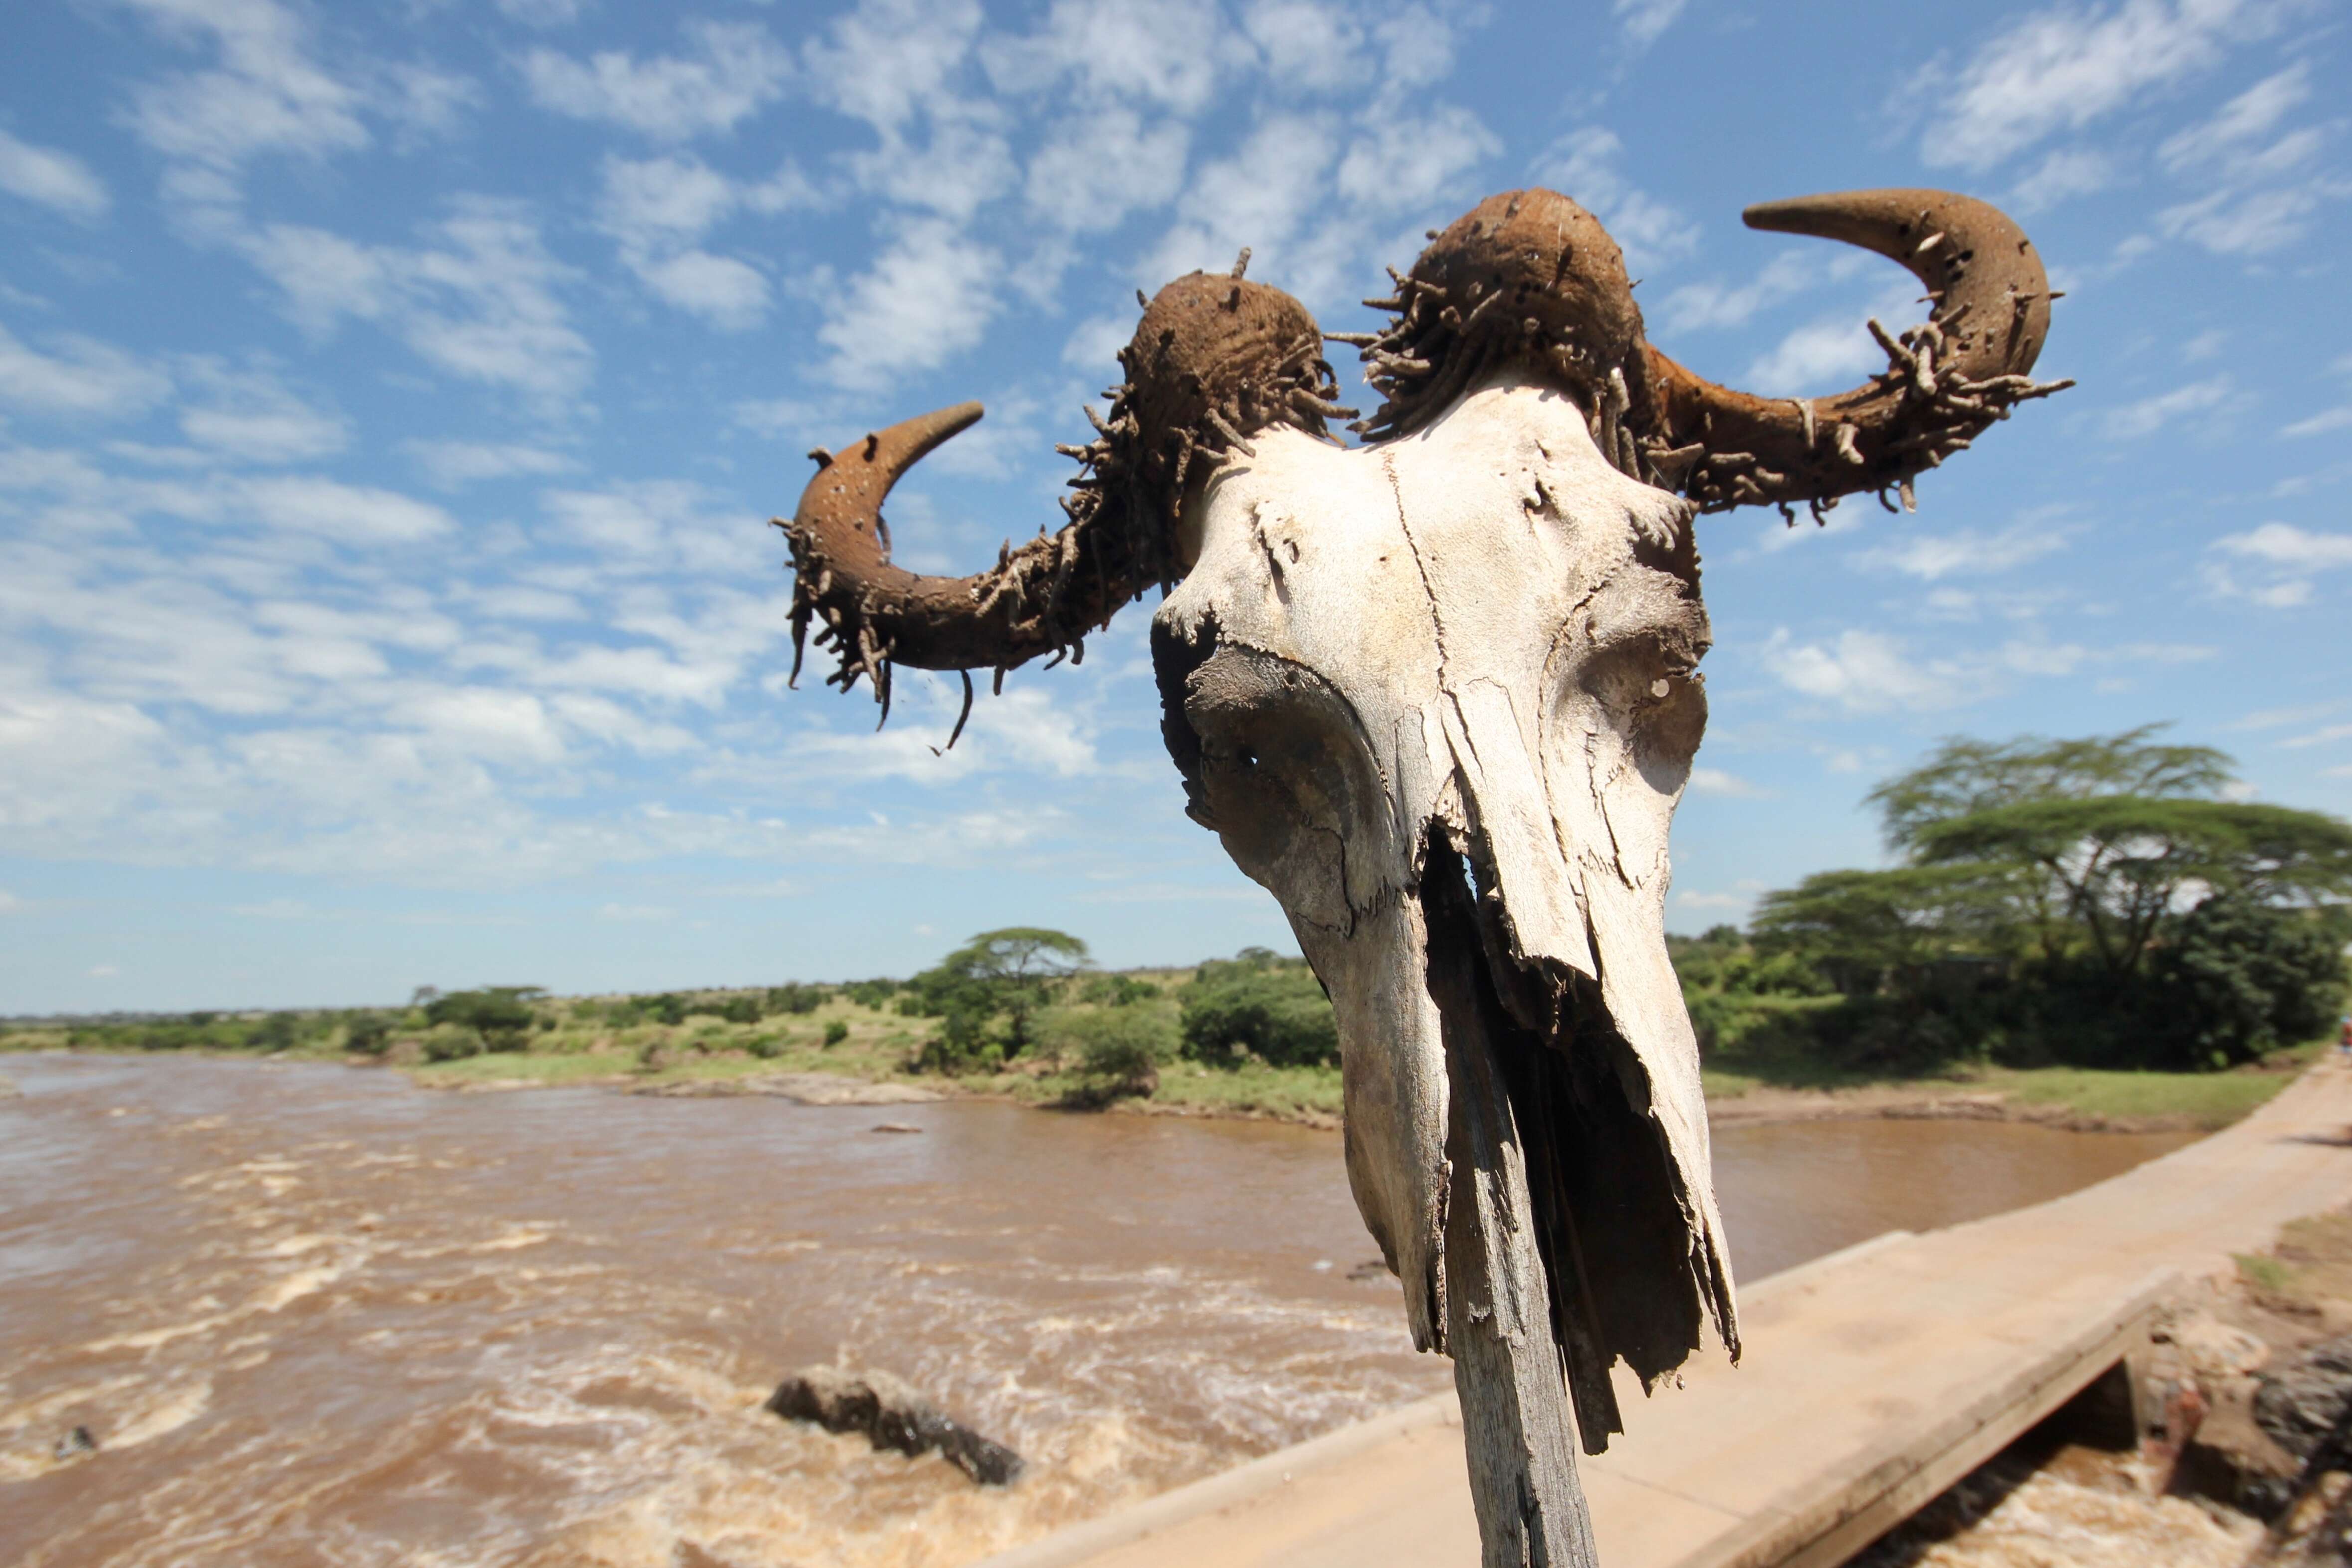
(2093, 923)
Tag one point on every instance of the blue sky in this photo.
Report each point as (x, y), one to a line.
(391, 400)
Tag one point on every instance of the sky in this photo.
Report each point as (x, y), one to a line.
(393, 399)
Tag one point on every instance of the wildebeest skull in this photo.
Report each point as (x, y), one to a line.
(1438, 693)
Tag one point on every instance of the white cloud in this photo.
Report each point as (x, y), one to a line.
(51, 177)
(351, 514)
(251, 416)
(730, 294)
(83, 377)
(2284, 559)
(2273, 718)
(2066, 172)
(654, 203)
(1168, 54)
(2065, 68)
(10, 903)
(886, 60)
(2133, 421)
(2205, 345)
(1310, 46)
(2281, 544)
(1093, 169)
(2248, 117)
(1816, 357)
(2326, 735)
(731, 72)
(1094, 346)
(1863, 671)
(1715, 781)
(1582, 165)
(636, 913)
(2232, 222)
(483, 721)
(1259, 196)
(1965, 551)
(267, 93)
(659, 209)
(479, 300)
(1695, 900)
(1643, 20)
(1420, 47)
(452, 465)
(541, 12)
(1695, 307)
(929, 297)
(646, 526)
(1870, 672)
(2319, 424)
(1405, 161)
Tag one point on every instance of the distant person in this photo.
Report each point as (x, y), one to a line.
(2344, 1041)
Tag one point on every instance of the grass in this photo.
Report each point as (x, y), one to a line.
(2310, 1265)
(2205, 1101)
(578, 1043)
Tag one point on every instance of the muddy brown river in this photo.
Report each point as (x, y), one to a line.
(313, 1315)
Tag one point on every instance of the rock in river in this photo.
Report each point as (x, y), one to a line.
(891, 1414)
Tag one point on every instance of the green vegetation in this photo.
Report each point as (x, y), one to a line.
(2084, 925)
(1248, 1036)
(2091, 903)
(1258, 1006)
(986, 992)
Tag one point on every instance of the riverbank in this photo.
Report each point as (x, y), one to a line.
(2075, 1099)
(843, 1041)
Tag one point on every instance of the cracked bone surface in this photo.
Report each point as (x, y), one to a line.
(1470, 651)
(1438, 694)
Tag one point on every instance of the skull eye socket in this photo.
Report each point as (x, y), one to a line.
(1282, 771)
(1642, 685)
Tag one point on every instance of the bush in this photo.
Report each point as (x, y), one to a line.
(452, 1042)
(871, 994)
(795, 998)
(668, 1008)
(368, 1035)
(962, 1044)
(1261, 1005)
(734, 1009)
(2240, 979)
(836, 1031)
(276, 1032)
(1121, 1049)
(762, 1045)
(499, 1017)
(1117, 990)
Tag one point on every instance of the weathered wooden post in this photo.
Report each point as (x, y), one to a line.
(1438, 693)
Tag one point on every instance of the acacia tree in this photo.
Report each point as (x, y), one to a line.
(2106, 837)
(2115, 867)
(999, 972)
(1861, 928)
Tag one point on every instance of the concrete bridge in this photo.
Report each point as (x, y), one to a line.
(1873, 1379)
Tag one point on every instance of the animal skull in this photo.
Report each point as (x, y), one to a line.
(1437, 692)
(1476, 645)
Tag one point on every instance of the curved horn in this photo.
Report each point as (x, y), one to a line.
(1947, 380)
(1215, 361)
